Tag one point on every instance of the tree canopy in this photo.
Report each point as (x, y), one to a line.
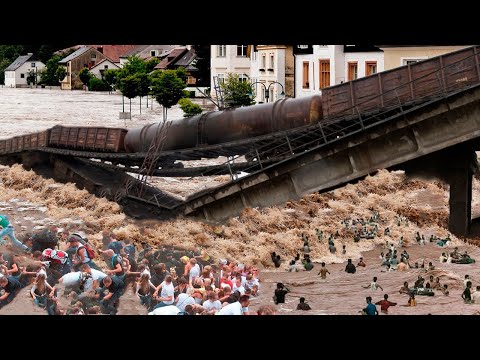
(237, 92)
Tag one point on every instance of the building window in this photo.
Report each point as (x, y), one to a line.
(243, 77)
(306, 66)
(242, 50)
(105, 67)
(262, 92)
(272, 62)
(94, 56)
(264, 62)
(352, 71)
(22, 76)
(191, 80)
(33, 64)
(153, 53)
(411, 61)
(370, 68)
(324, 73)
(220, 78)
(221, 50)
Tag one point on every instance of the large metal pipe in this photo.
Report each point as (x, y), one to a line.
(230, 125)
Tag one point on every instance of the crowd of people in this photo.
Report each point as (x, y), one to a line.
(61, 265)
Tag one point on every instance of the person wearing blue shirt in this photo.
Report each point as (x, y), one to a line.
(371, 309)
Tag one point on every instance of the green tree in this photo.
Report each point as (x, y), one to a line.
(85, 76)
(143, 86)
(110, 77)
(236, 92)
(189, 108)
(8, 53)
(167, 88)
(60, 74)
(133, 66)
(129, 87)
(150, 64)
(31, 77)
(96, 84)
(182, 74)
(49, 75)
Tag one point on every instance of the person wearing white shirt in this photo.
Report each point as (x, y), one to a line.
(476, 296)
(239, 307)
(167, 294)
(183, 300)
(237, 285)
(165, 310)
(212, 303)
(97, 277)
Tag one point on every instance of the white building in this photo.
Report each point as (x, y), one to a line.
(103, 65)
(320, 66)
(271, 72)
(229, 59)
(16, 73)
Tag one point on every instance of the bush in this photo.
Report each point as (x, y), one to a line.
(95, 84)
(189, 108)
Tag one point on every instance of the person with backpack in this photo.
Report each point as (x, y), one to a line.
(83, 253)
(8, 230)
(115, 264)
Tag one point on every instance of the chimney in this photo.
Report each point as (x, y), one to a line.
(100, 49)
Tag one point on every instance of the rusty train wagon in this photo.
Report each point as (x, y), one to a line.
(88, 138)
(24, 142)
(403, 85)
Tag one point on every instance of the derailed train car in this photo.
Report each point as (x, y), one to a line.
(392, 88)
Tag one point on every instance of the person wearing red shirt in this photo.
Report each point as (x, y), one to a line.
(385, 304)
(225, 281)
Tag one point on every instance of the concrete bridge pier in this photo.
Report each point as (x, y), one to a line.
(456, 165)
(460, 202)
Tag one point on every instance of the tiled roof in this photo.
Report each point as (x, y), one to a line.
(170, 58)
(20, 61)
(114, 52)
(102, 61)
(186, 59)
(75, 54)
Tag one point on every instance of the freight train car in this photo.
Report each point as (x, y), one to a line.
(24, 142)
(88, 138)
(410, 83)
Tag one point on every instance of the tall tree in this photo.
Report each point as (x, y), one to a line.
(85, 76)
(129, 87)
(237, 92)
(110, 77)
(143, 86)
(167, 88)
(150, 64)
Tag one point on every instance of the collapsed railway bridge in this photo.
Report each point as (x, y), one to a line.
(423, 118)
